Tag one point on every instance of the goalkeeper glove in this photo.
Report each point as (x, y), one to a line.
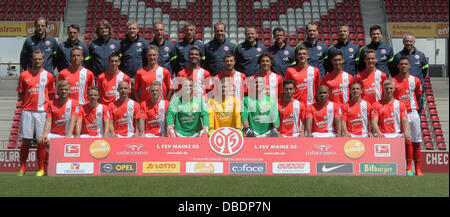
(248, 132)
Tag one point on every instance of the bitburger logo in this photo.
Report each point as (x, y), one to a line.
(99, 149)
(354, 149)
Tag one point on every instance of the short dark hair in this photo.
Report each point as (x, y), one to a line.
(278, 29)
(375, 27)
(194, 48)
(286, 82)
(228, 55)
(403, 58)
(114, 54)
(73, 26)
(265, 54)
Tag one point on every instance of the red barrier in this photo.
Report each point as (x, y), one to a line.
(10, 162)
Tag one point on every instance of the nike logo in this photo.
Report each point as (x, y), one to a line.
(325, 169)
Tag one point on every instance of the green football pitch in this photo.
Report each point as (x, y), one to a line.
(430, 185)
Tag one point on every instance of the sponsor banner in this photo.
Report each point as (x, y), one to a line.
(420, 30)
(10, 160)
(227, 153)
(378, 168)
(75, 168)
(25, 29)
(434, 161)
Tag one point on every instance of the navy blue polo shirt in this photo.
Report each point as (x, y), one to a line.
(99, 51)
(214, 52)
(48, 45)
(247, 57)
(418, 61)
(317, 53)
(283, 58)
(385, 55)
(167, 54)
(350, 54)
(132, 55)
(63, 54)
(182, 54)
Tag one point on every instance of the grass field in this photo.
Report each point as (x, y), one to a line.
(431, 185)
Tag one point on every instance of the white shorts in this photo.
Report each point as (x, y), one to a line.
(393, 135)
(128, 136)
(86, 136)
(359, 136)
(414, 127)
(32, 124)
(324, 134)
(150, 135)
(54, 136)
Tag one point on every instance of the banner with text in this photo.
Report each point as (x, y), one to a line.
(419, 30)
(10, 160)
(226, 152)
(25, 29)
(434, 161)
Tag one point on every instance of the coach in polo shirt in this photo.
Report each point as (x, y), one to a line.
(216, 49)
(132, 49)
(167, 53)
(182, 48)
(316, 49)
(63, 53)
(247, 53)
(283, 54)
(348, 49)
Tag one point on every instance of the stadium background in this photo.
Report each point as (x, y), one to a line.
(292, 15)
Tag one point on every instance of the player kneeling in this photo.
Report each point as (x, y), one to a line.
(154, 111)
(94, 119)
(187, 115)
(260, 114)
(62, 115)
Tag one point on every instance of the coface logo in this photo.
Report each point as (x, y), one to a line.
(334, 168)
(161, 167)
(72, 150)
(378, 168)
(226, 141)
(204, 167)
(382, 150)
(290, 168)
(247, 168)
(118, 168)
(74, 168)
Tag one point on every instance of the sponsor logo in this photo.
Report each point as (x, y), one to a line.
(72, 150)
(248, 168)
(382, 150)
(378, 168)
(290, 168)
(161, 167)
(204, 167)
(74, 168)
(133, 149)
(123, 168)
(354, 149)
(99, 149)
(322, 150)
(334, 168)
(226, 141)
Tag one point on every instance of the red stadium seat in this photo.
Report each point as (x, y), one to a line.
(438, 132)
(442, 146)
(424, 125)
(429, 146)
(427, 139)
(436, 125)
(426, 132)
(434, 118)
(440, 139)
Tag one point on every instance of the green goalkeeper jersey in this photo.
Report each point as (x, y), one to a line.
(261, 114)
(188, 118)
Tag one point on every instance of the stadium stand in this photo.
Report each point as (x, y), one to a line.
(417, 11)
(29, 10)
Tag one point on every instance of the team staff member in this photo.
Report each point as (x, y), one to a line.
(132, 50)
(152, 72)
(371, 78)
(273, 82)
(94, 118)
(356, 114)
(63, 53)
(323, 118)
(316, 49)
(224, 108)
(216, 49)
(187, 115)
(291, 111)
(348, 49)
(40, 40)
(306, 77)
(384, 52)
(108, 82)
(260, 115)
(35, 89)
(182, 48)
(166, 52)
(125, 114)
(154, 110)
(60, 122)
(101, 47)
(247, 53)
(236, 79)
(408, 90)
(284, 55)
(337, 80)
(78, 77)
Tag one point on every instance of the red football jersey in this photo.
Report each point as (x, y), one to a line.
(339, 86)
(108, 84)
(323, 117)
(389, 115)
(372, 85)
(274, 84)
(237, 81)
(292, 114)
(145, 77)
(357, 117)
(203, 82)
(306, 82)
(36, 88)
(61, 115)
(93, 119)
(79, 82)
(407, 90)
(155, 116)
(124, 116)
